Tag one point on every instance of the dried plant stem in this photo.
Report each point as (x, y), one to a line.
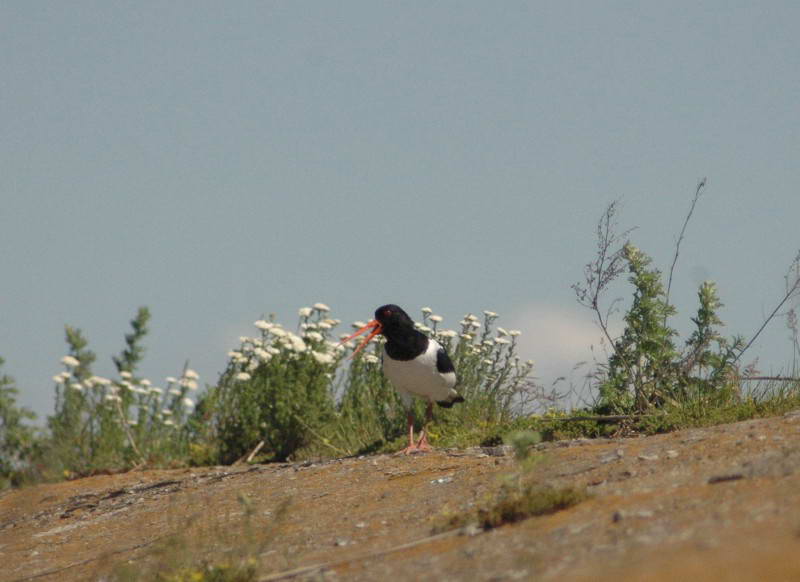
(789, 294)
(127, 430)
(700, 185)
(249, 456)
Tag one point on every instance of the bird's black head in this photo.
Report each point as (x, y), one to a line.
(398, 329)
(392, 317)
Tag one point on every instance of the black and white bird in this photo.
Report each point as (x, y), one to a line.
(415, 364)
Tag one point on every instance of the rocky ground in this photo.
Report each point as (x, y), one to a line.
(720, 503)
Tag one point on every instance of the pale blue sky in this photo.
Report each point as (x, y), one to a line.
(217, 161)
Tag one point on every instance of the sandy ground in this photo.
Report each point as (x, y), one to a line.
(720, 503)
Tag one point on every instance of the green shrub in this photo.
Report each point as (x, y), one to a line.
(299, 394)
(17, 440)
(105, 424)
(646, 371)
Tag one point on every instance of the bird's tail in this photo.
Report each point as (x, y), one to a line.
(452, 398)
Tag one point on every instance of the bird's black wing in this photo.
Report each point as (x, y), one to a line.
(443, 363)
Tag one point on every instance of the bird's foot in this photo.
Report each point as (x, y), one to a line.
(423, 444)
(413, 449)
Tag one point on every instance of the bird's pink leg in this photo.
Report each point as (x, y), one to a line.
(411, 448)
(423, 444)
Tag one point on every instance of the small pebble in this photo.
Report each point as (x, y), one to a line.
(441, 480)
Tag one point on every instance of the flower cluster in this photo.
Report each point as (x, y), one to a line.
(131, 394)
(313, 338)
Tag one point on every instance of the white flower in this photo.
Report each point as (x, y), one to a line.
(466, 336)
(263, 355)
(263, 325)
(321, 307)
(314, 335)
(70, 361)
(371, 359)
(470, 317)
(59, 378)
(190, 384)
(358, 324)
(278, 332)
(171, 380)
(174, 391)
(514, 332)
(168, 422)
(474, 324)
(324, 325)
(146, 383)
(529, 362)
(422, 328)
(191, 374)
(501, 331)
(436, 318)
(112, 398)
(100, 380)
(273, 350)
(126, 384)
(76, 386)
(488, 362)
(304, 311)
(157, 390)
(166, 412)
(297, 343)
(322, 358)
(188, 402)
(426, 310)
(234, 354)
(501, 340)
(332, 322)
(243, 376)
(490, 314)
(132, 422)
(447, 333)
(125, 374)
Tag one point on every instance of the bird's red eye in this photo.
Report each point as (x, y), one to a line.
(387, 312)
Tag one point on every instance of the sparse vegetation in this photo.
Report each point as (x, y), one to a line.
(647, 376)
(295, 393)
(184, 556)
(519, 496)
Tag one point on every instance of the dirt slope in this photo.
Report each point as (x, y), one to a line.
(719, 503)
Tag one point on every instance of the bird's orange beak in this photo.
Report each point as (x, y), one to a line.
(376, 328)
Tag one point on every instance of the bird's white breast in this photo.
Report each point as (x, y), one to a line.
(420, 376)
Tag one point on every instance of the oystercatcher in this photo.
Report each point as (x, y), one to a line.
(415, 364)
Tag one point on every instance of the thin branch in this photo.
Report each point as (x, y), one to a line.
(789, 294)
(700, 185)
